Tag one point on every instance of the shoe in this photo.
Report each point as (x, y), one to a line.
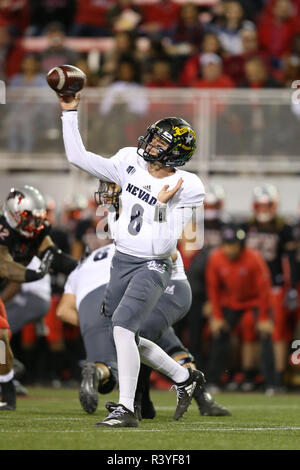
(213, 389)
(9, 396)
(185, 391)
(207, 405)
(120, 417)
(5, 407)
(247, 387)
(111, 406)
(88, 392)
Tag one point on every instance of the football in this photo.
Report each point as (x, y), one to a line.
(66, 79)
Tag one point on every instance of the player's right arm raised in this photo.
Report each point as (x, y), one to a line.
(92, 163)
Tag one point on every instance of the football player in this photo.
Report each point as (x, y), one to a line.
(150, 223)
(214, 220)
(24, 233)
(273, 238)
(238, 282)
(171, 307)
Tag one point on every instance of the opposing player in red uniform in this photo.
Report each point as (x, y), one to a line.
(238, 282)
(24, 235)
(273, 238)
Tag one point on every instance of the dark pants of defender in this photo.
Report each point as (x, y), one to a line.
(221, 348)
(25, 307)
(196, 323)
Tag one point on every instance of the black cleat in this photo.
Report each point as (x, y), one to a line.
(9, 396)
(111, 406)
(120, 417)
(207, 405)
(88, 392)
(185, 391)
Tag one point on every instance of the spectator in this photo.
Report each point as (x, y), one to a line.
(22, 132)
(43, 12)
(210, 44)
(234, 65)
(256, 75)
(92, 78)
(124, 103)
(291, 63)
(187, 33)
(56, 52)
(229, 32)
(212, 73)
(238, 284)
(90, 18)
(155, 51)
(161, 75)
(15, 16)
(124, 16)
(159, 17)
(124, 46)
(11, 55)
(277, 29)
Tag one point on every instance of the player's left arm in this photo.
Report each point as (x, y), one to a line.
(66, 309)
(62, 262)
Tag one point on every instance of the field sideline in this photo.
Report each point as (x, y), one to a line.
(53, 419)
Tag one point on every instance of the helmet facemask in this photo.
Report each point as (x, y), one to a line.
(30, 225)
(177, 137)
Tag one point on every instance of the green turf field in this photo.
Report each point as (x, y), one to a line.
(53, 419)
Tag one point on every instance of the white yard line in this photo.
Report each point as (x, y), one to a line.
(198, 429)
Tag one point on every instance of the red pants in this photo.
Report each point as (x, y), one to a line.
(280, 315)
(3, 317)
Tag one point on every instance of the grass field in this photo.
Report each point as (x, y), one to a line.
(53, 419)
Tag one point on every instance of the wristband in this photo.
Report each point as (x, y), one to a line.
(160, 214)
(31, 275)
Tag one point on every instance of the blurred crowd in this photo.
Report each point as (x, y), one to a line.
(234, 43)
(245, 282)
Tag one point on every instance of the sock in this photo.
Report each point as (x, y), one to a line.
(7, 377)
(128, 359)
(154, 357)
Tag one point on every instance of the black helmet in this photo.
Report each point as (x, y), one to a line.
(177, 133)
(232, 233)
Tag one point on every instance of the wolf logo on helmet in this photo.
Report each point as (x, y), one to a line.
(177, 133)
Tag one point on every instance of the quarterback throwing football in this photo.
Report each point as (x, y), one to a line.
(150, 223)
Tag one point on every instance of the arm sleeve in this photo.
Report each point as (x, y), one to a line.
(103, 168)
(213, 288)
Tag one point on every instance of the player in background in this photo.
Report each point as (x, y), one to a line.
(95, 329)
(151, 221)
(24, 235)
(268, 233)
(214, 219)
(238, 285)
